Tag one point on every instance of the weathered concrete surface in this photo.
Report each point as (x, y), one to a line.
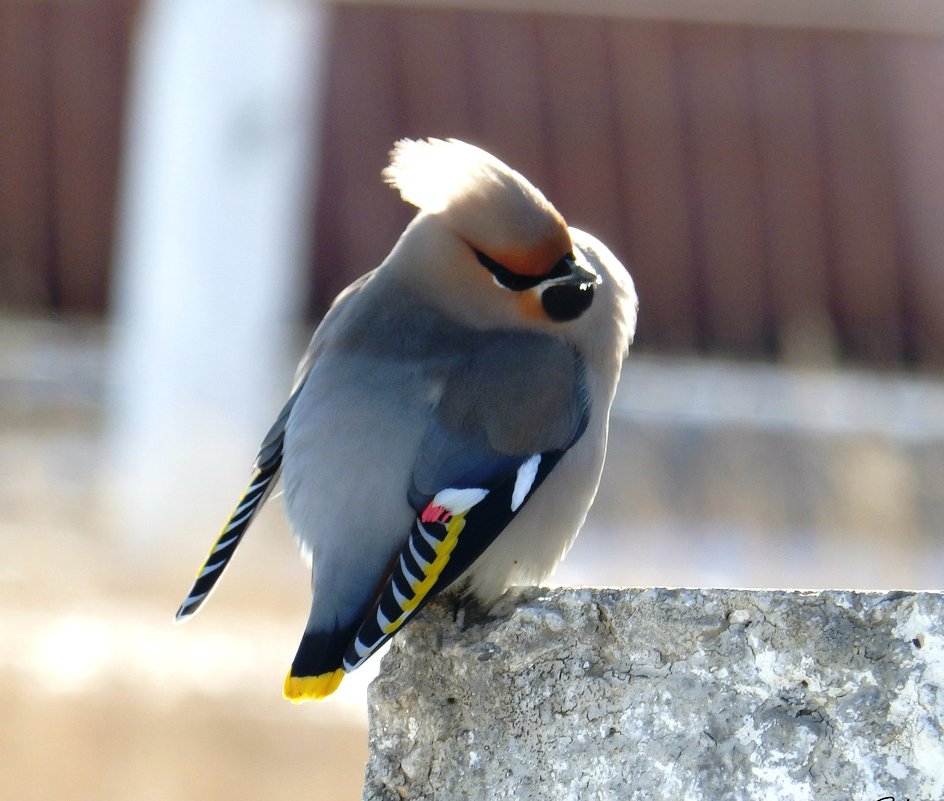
(665, 694)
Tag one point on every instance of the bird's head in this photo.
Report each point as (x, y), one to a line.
(508, 243)
(489, 246)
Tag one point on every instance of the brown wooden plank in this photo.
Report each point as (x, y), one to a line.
(578, 92)
(505, 91)
(726, 178)
(913, 68)
(793, 192)
(358, 218)
(651, 167)
(434, 69)
(26, 215)
(91, 44)
(861, 211)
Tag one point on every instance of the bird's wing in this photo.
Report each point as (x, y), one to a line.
(265, 470)
(450, 533)
(488, 449)
(264, 475)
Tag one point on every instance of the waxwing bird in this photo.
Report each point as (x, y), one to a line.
(448, 422)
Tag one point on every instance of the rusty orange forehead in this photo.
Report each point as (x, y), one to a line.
(535, 260)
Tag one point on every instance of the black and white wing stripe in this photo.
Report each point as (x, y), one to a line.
(265, 474)
(446, 538)
(260, 485)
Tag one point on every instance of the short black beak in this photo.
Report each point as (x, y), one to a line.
(569, 296)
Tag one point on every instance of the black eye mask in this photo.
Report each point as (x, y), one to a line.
(519, 283)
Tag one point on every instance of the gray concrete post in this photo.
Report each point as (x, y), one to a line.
(665, 694)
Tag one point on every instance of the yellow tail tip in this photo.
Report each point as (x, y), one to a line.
(299, 689)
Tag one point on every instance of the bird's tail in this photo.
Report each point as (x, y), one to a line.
(318, 666)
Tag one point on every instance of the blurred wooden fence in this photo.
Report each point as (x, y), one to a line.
(772, 189)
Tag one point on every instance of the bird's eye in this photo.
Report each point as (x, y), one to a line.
(505, 277)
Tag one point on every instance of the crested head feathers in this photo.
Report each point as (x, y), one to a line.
(433, 174)
(489, 205)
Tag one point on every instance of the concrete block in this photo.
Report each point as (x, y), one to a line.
(665, 694)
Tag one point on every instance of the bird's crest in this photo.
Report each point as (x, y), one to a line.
(432, 174)
(493, 207)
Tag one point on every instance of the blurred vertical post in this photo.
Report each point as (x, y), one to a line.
(212, 235)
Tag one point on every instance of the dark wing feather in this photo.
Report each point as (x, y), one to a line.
(265, 474)
(442, 545)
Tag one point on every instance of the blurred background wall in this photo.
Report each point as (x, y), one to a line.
(763, 183)
(189, 184)
(778, 190)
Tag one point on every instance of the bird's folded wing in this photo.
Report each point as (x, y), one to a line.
(265, 474)
(450, 533)
(265, 470)
(505, 419)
